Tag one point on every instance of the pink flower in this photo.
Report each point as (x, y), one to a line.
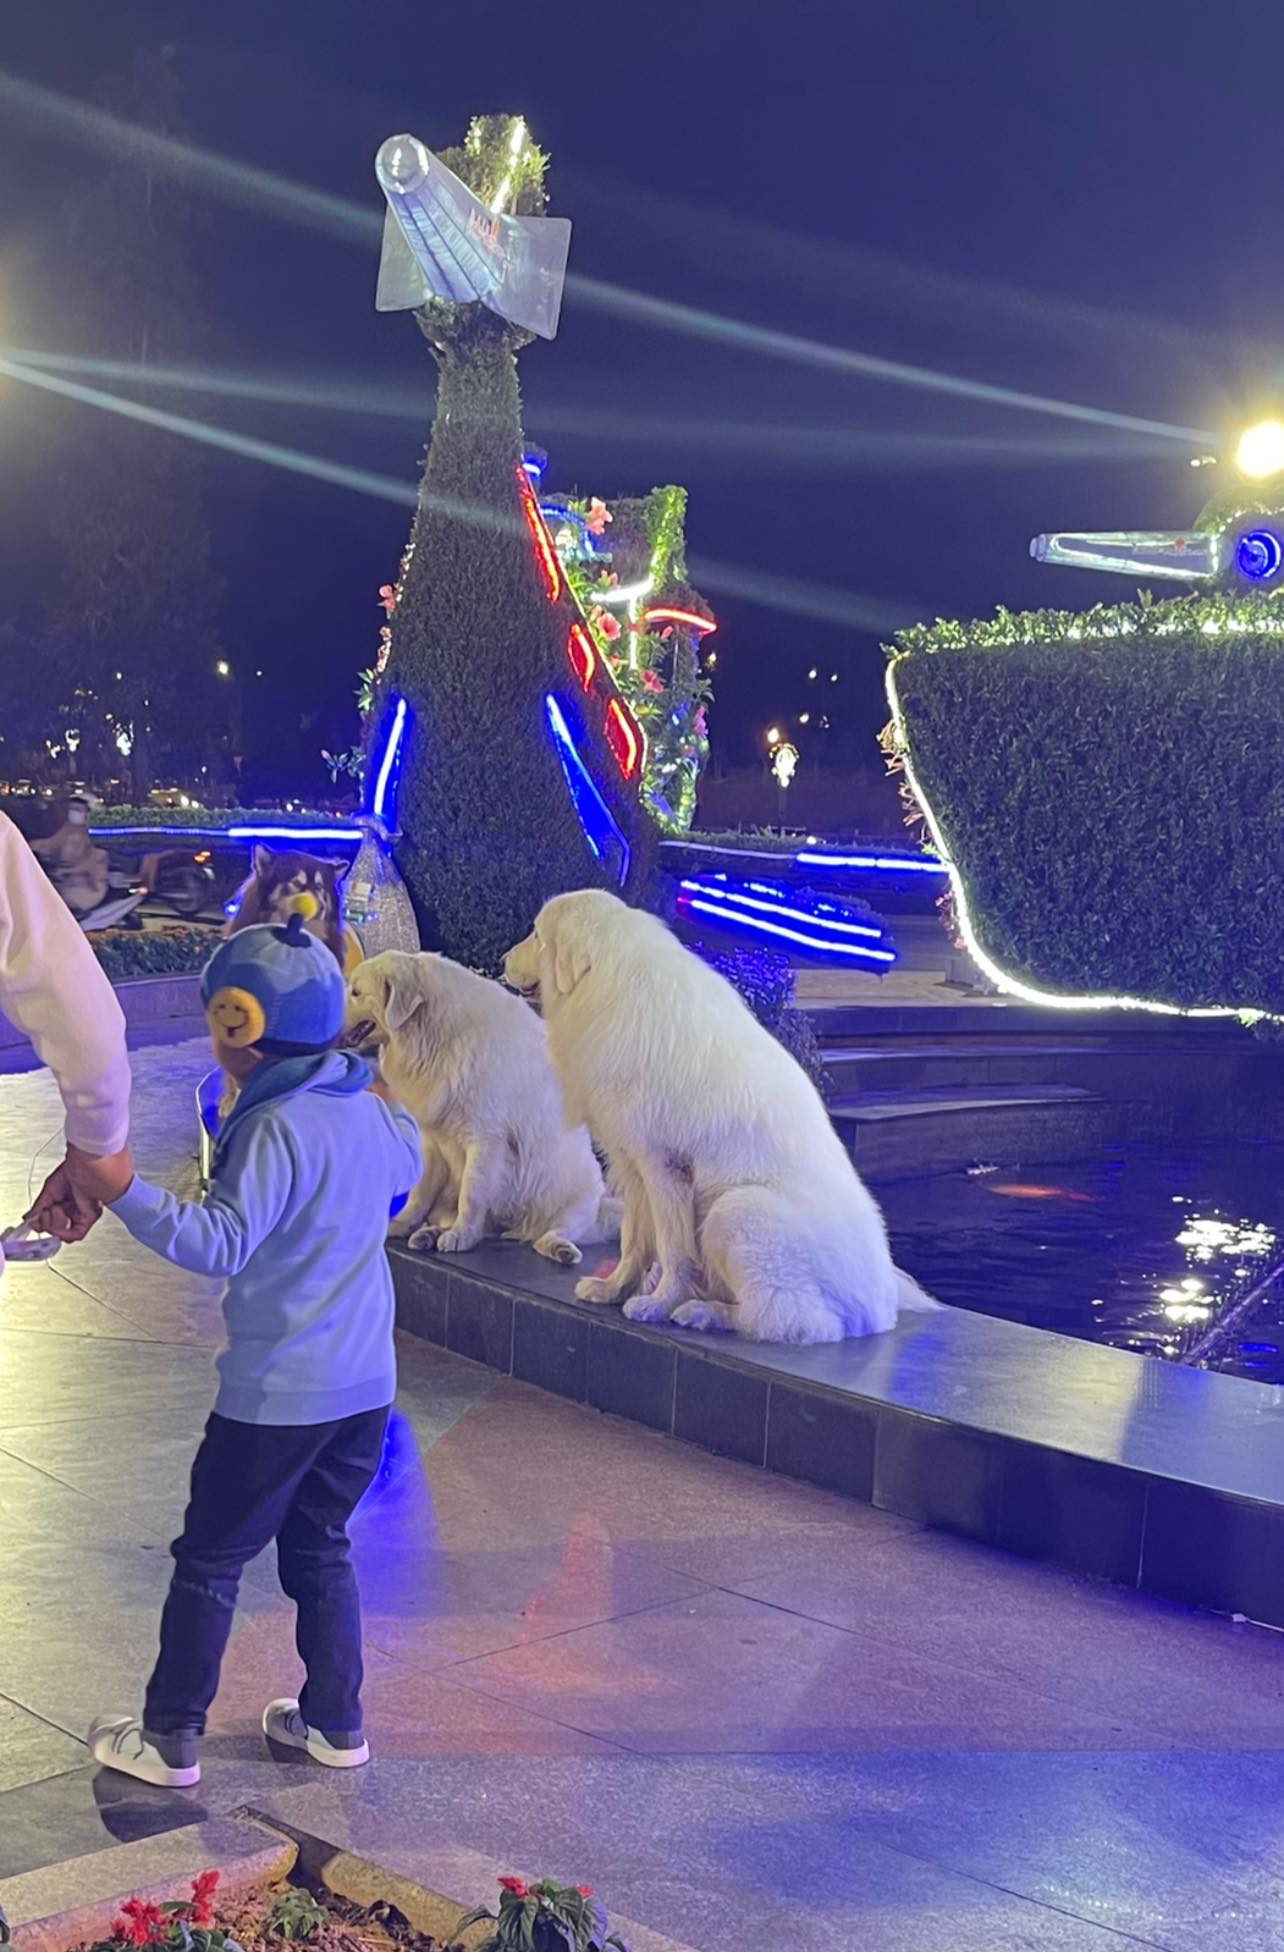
(517, 1886)
(585, 1891)
(653, 681)
(598, 516)
(388, 597)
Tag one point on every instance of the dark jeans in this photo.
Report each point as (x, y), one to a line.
(297, 1484)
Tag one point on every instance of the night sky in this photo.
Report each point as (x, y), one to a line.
(1076, 202)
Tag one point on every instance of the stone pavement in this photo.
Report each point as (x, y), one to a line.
(750, 1714)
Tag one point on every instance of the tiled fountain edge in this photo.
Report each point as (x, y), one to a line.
(1115, 1465)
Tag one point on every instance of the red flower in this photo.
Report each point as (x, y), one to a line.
(388, 597)
(517, 1886)
(203, 1890)
(142, 1924)
(585, 1891)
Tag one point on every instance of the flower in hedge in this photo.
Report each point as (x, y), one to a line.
(388, 597)
(517, 1886)
(598, 516)
(203, 1890)
(653, 681)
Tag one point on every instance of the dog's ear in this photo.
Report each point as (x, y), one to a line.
(401, 999)
(571, 963)
(339, 870)
(261, 860)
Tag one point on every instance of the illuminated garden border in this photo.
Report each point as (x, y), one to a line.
(1216, 615)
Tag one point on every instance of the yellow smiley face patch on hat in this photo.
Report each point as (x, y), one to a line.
(236, 1017)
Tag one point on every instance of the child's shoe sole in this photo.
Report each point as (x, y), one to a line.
(284, 1724)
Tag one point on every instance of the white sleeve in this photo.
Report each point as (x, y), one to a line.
(53, 989)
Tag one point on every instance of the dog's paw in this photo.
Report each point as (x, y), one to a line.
(700, 1315)
(423, 1240)
(595, 1288)
(455, 1241)
(556, 1247)
(645, 1308)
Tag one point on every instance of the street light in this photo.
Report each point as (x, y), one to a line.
(774, 736)
(223, 668)
(1261, 450)
(784, 765)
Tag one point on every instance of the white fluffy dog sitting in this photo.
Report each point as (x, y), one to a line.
(470, 1062)
(733, 1179)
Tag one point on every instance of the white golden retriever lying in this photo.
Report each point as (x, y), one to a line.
(733, 1179)
(470, 1062)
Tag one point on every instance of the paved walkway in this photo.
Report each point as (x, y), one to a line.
(750, 1714)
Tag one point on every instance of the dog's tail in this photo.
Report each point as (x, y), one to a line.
(910, 1296)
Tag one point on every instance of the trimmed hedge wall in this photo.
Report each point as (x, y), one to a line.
(1111, 788)
(128, 953)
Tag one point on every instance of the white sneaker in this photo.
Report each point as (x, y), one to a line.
(283, 1723)
(118, 1743)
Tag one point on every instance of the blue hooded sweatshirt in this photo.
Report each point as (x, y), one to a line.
(306, 1171)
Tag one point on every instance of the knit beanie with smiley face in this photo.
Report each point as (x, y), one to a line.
(278, 990)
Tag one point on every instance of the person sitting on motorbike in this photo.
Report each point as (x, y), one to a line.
(77, 868)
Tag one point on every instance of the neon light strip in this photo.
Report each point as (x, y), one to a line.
(890, 863)
(616, 716)
(627, 593)
(782, 908)
(580, 651)
(1013, 986)
(582, 788)
(691, 618)
(390, 754)
(545, 553)
(234, 833)
(789, 935)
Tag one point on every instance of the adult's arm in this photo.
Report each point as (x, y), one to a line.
(53, 988)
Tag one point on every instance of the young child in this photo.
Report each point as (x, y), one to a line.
(305, 1172)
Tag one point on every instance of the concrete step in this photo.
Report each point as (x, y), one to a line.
(901, 1134)
(992, 1017)
(1114, 1067)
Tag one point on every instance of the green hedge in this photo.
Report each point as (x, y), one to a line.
(215, 817)
(1111, 787)
(129, 953)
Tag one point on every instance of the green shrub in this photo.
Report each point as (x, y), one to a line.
(129, 953)
(1110, 786)
(214, 817)
(765, 979)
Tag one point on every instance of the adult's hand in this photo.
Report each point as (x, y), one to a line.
(101, 1179)
(62, 1210)
(73, 1197)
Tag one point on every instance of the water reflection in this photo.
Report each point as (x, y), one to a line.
(1147, 1248)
